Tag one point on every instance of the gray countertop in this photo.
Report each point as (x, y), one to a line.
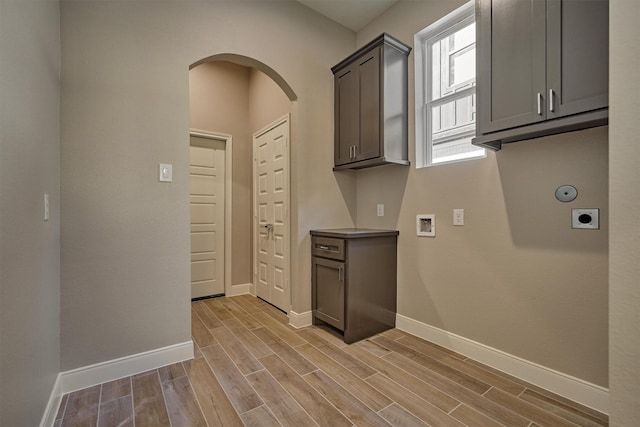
(353, 233)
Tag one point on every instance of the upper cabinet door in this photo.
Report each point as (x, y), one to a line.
(577, 56)
(511, 63)
(346, 115)
(369, 106)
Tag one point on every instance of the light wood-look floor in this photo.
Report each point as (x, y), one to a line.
(251, 368)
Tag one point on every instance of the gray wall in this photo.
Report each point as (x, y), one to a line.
(125, 108)
(267, 101)
(29, 246)
(516, 277)
(624, 198)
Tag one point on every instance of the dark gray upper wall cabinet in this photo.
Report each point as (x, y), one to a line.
(542, 68)
(371, 106)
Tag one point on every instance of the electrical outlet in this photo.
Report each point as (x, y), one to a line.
(585, 218)
(380, 209)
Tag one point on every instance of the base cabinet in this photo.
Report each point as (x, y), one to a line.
(354, 280)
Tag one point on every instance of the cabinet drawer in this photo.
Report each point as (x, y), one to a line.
(327, 247)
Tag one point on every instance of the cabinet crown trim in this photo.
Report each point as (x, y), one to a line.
(382, 39)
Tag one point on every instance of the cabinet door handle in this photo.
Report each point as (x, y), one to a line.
(341, 274)
(539, 104)
(551, 100)
(355, 154)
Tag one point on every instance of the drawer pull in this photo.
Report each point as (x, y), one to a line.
(324, 248)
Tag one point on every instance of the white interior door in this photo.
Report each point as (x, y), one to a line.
(206, 172)
(271, 214)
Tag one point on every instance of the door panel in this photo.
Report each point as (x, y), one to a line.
(346, 115)
(328, 278)
(271, 153)
(512, 68)
(577, 54)
(206, 175)
(370, 104)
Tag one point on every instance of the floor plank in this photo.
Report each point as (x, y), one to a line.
(400, 417)
(433, 395)
(412, 402)
(458, 363)
(215, 404)
(235, 385)
(563, 410)
(182, 405)
(322, 411)
(287, 353)
(257, 347)
(284, 407)
(279, 329)
(115, 389)
(171, 372)
(471, 417)
(82, 407)
(243, 359)
(209, 319)
(355, 385)
(345, 402)
(116, 412)
(527, 410)
(463, 394)
(446, 371)
(339, 355)
(149, 407)
(260, 417)
(200, 333)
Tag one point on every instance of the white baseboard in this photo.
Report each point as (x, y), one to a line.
(299, 320)
(110, 370)
(99, 373)
(239, 289)
(583, 392)
(50, 412)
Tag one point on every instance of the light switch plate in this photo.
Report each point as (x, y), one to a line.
(165, 172)
(458, 217)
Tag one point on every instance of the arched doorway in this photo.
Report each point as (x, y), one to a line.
(238, 96)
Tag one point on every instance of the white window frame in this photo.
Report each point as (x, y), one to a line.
(449, 24)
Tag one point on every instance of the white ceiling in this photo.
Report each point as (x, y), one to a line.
(353, 14)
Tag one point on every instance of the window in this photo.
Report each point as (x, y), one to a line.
(446, 89)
